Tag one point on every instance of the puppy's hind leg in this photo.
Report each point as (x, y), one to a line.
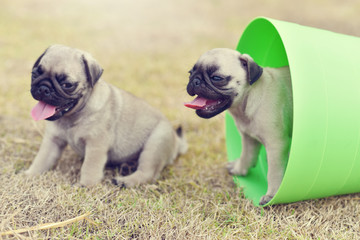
(157, 152)
(249, 155)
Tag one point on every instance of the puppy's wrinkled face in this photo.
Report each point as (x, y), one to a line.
(219, 79)
(61, 77)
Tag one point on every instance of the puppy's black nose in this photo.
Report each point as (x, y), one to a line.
(193, 85)
(43, 90)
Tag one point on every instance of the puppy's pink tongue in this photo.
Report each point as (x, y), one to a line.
(42, 111)
(197, 103)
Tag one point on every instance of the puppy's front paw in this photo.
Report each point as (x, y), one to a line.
(30, 173)
(88, 182)
(24, 174)
(265, 199)
(235, 169)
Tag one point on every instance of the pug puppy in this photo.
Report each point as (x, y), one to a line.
(260, 101)
(102, 123)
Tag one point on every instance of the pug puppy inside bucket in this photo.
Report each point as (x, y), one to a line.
(104, 124)
(260, 101)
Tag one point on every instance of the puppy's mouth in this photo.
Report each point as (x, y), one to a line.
(46, 111)
(207, 108)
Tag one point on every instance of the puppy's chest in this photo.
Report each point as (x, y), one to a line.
(74, 138)
(76, 142)
(245, 124)
(249, 128)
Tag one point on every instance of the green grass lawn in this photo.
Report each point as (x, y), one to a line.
(147, 47)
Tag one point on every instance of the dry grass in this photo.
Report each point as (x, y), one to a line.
(147, 47)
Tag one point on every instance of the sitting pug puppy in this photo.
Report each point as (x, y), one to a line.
(104, 124)
(260, 101)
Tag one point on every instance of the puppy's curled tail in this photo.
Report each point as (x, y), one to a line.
(182, 143)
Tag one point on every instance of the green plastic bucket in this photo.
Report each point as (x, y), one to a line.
(324, 157)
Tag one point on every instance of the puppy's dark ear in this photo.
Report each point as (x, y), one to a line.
(39, 59)
(93, 70)
(254, 71)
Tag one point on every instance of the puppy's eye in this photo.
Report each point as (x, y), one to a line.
(216, 78)
(67, 85)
